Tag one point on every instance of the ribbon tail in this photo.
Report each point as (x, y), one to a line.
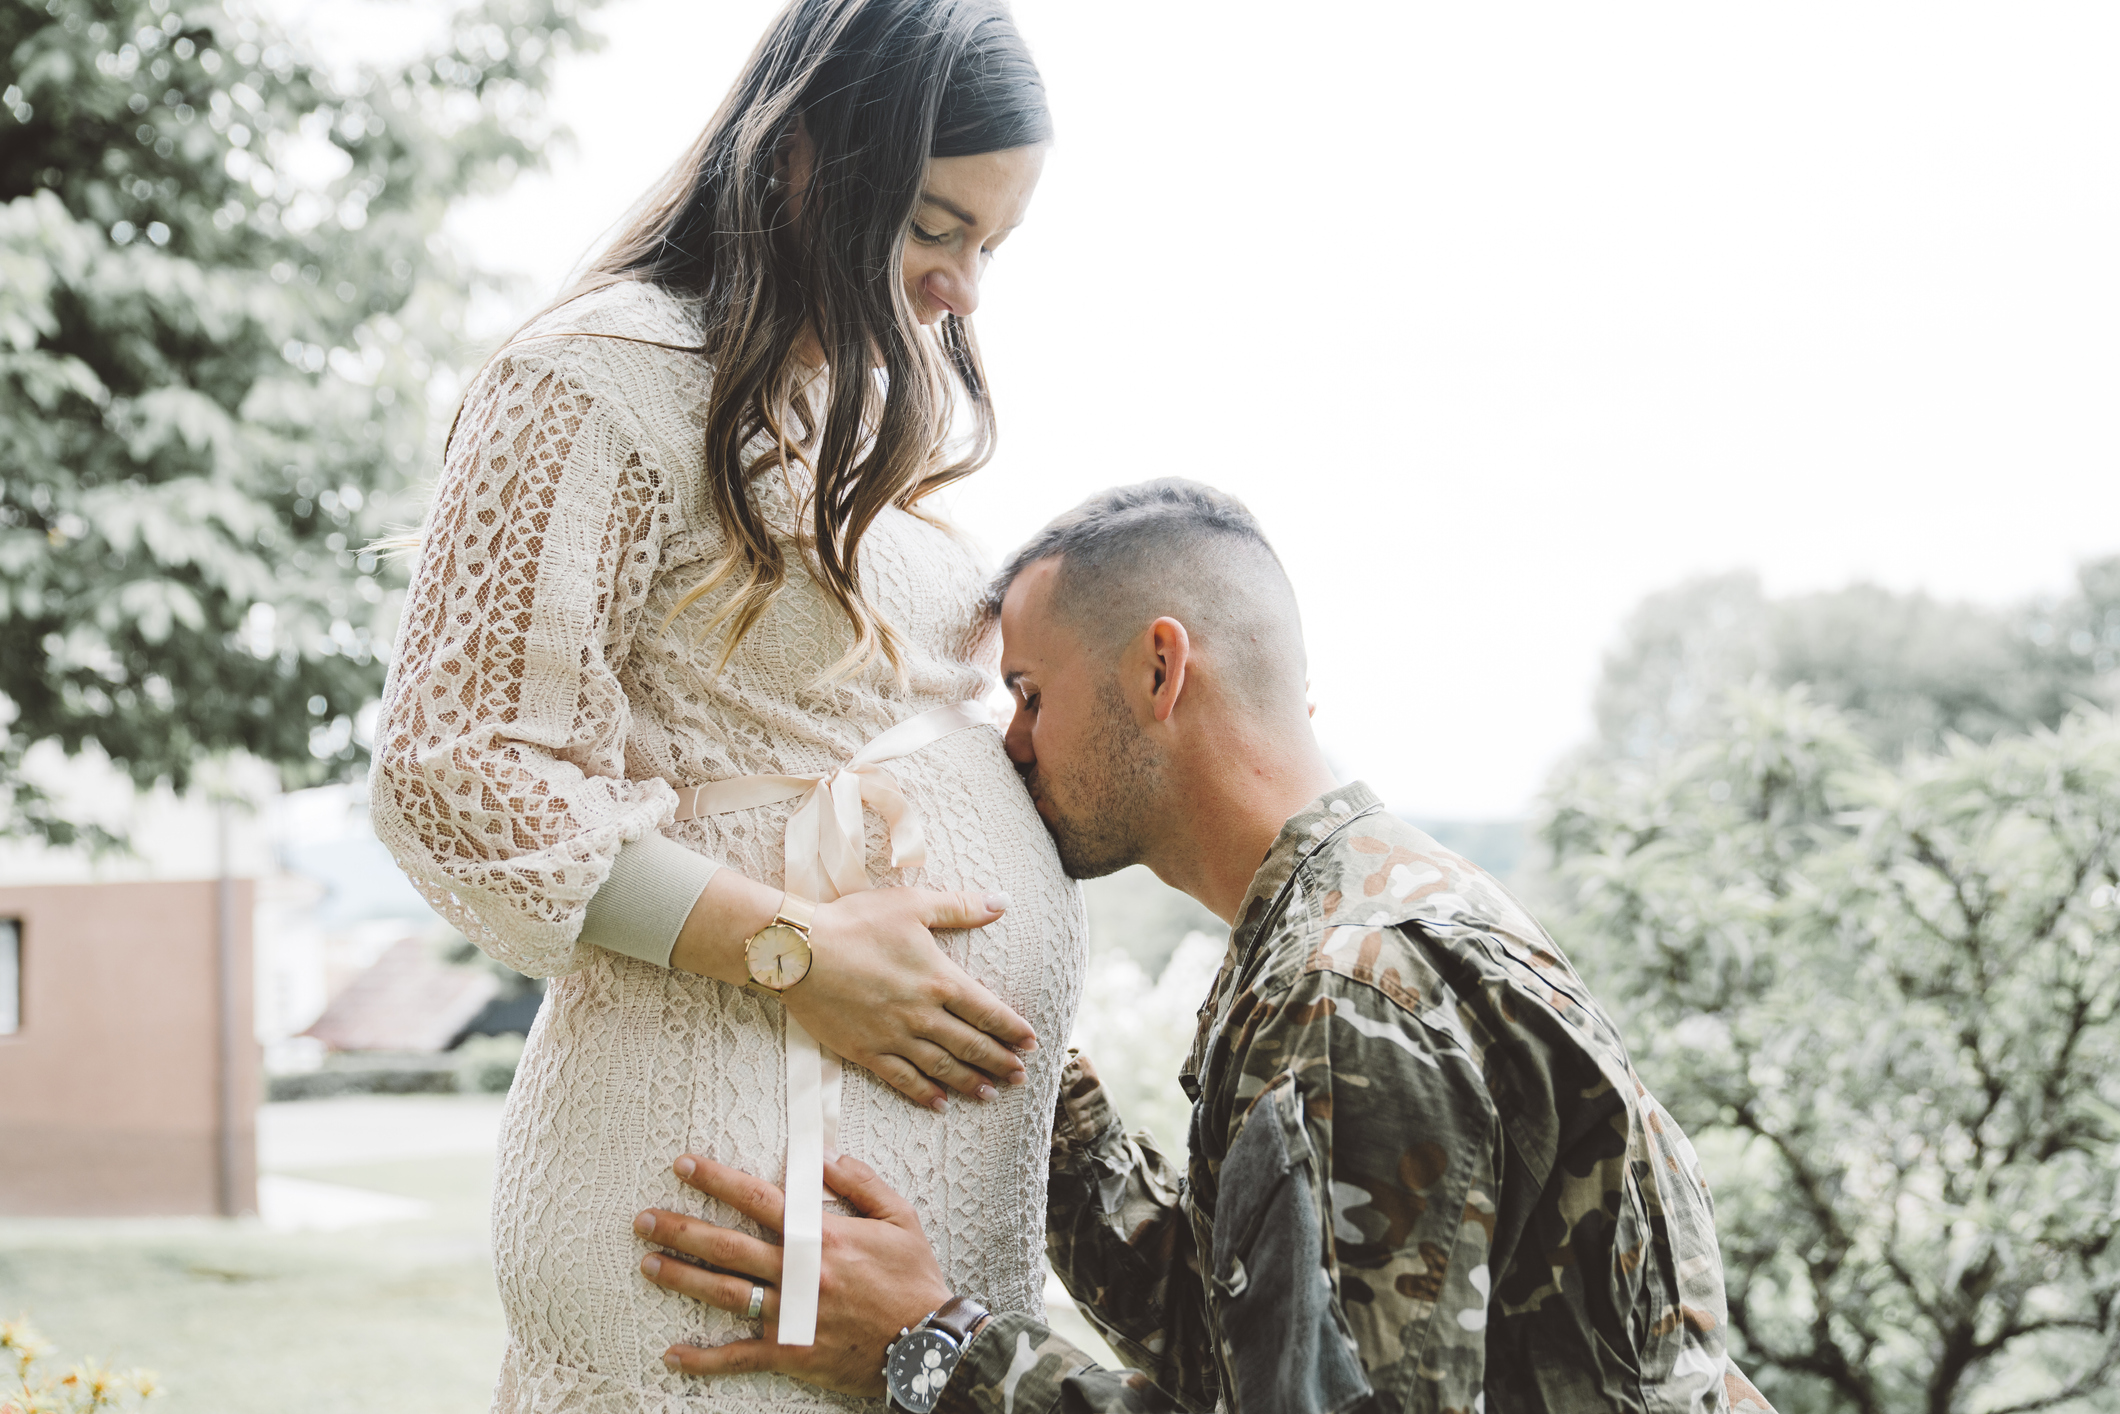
(881, 792)
(804, 874)
(802, 1221)
(831, 1069)
(840, 844)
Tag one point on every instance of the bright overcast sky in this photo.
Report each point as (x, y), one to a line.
(1504, 315)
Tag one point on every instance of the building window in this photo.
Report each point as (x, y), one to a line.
(10, 976)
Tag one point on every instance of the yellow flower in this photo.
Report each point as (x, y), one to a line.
(20, 1338)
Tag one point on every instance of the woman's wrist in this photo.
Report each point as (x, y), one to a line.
(731, 908)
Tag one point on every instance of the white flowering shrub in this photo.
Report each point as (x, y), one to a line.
(25, 1389)
(1136, 1031)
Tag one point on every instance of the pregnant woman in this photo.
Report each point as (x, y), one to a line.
(683, 711)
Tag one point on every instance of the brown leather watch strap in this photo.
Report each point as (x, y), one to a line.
(957, 1318)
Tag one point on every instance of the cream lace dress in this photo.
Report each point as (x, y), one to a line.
(535, 714)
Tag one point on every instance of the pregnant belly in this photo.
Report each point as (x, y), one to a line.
(631, 1065)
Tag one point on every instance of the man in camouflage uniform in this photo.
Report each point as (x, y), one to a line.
(1400, 1083)
(1423, 1174)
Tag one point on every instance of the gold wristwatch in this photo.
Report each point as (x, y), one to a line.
(778, 955)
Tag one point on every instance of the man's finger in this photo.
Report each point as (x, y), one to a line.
(755, 1198)
(743, 1357)
(863, 1187)
(954, 908)
(717, 1289)
(710, 1242)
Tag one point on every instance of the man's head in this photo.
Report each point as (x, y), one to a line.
(1139, 598)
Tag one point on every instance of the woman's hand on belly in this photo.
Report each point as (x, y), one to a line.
(881, 994)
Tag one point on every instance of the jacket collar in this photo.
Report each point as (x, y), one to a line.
(1305, 833)
(1272, 889)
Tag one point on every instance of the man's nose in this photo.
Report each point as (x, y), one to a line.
(1016, 741)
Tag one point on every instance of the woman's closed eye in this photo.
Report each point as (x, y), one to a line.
(927, 237)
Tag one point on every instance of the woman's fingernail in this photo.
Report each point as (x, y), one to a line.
(685, 1166)
(645, 1224)
(939, 1105)
(650, 1264)
(998, 902)
(670, 1362)
(1019, 1077)
(987, 1092)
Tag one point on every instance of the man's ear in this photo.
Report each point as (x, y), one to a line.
(1169, 652)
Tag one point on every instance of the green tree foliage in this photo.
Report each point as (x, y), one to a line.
(1884, 997)
(226, 314)
(1907, 669)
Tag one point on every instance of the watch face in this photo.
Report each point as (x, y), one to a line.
(919, 1363)
(778, 957)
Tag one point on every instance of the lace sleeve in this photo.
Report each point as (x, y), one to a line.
(499, 780)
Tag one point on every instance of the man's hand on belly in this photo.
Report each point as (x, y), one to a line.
(879, 1275)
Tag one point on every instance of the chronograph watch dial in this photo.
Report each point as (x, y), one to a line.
(920, 1360)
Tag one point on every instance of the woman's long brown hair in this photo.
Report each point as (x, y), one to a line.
(879, 87)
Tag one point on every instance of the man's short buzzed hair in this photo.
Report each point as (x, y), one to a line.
(1133, 554)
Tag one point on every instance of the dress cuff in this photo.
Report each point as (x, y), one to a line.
(641, 908)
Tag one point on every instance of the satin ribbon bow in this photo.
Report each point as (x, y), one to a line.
(826, 860)
(824, 843)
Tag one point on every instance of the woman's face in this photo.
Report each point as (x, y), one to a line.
(968, 206)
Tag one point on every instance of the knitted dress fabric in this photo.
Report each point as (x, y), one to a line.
(537, 714)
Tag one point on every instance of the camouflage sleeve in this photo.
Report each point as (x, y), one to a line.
(1382, 1113)
(1743, 1395)
(1016, 1366)
(1119, 1240)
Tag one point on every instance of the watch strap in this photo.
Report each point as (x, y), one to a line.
(957, 1318)
(796, 912)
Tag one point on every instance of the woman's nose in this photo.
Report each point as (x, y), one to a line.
(953, 289)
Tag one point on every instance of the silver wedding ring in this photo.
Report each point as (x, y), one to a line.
(758, 1303)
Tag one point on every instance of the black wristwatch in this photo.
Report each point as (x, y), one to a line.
(919, 1362)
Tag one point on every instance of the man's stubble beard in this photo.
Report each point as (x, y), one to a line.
(1097, 810)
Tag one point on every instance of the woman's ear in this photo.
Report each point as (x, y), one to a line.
(794, 160)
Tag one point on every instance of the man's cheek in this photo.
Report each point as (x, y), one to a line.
(1051, 744)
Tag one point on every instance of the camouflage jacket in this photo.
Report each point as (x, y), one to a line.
(1422, 1172)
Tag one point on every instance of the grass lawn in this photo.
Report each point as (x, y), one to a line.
(327, 1311)
(236, 1317)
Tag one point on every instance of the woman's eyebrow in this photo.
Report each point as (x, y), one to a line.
(950, 206)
